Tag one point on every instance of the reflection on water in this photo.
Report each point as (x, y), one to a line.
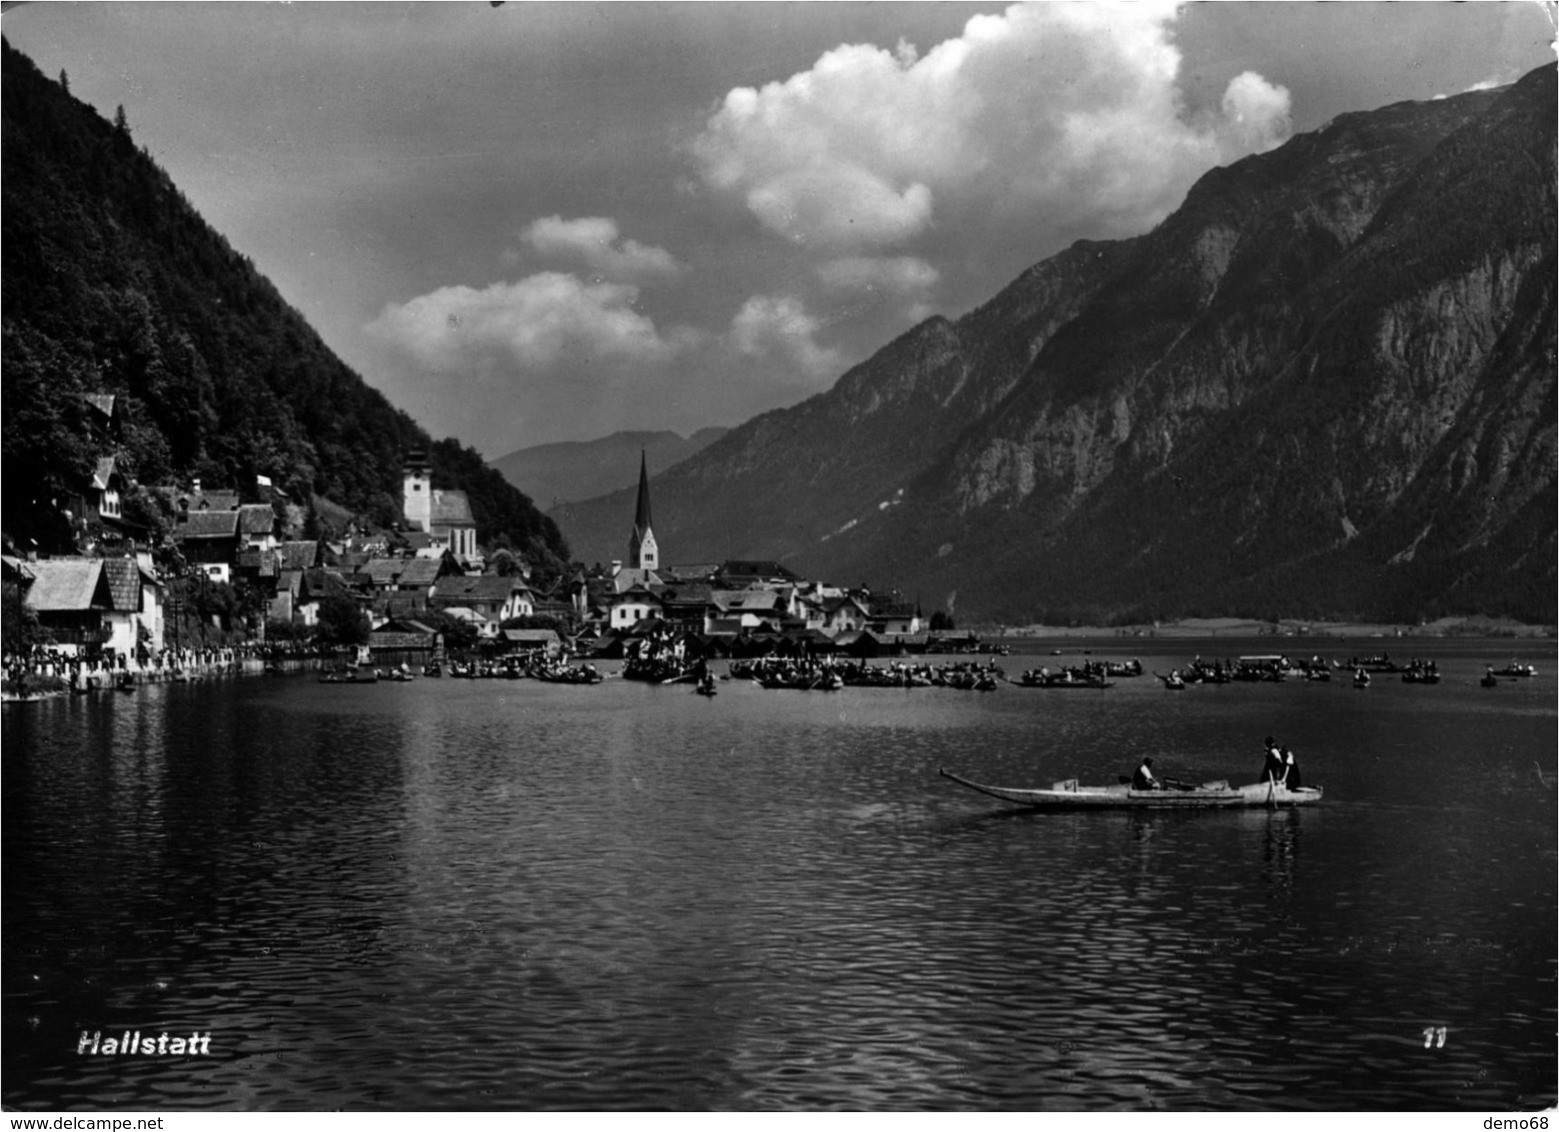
(510, 895)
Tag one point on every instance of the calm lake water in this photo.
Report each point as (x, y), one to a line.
(494, 894)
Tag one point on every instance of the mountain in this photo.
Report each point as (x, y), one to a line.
(575, 470)
(114, 285)
(1322, 387)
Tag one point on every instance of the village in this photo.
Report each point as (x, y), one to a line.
(234, 583)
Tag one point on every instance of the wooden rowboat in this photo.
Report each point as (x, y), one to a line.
(1068, 795)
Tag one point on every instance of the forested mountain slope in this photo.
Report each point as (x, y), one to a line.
(113, 284)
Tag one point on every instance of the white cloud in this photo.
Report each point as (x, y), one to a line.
(898, 275)
(596, 242)
(538, 321)
(1063, 110)
(1256, 115)
(778, 327)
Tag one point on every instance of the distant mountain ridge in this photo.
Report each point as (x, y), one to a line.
(1324, 386)
(569, 471)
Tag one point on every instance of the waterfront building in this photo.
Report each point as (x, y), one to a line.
(110, 603)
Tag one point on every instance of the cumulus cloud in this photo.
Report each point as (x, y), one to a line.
(537, 321)
(596, 242)
(1063, 108)
(1255, 115)
(778, 327)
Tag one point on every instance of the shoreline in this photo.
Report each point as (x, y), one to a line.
(1243, 627)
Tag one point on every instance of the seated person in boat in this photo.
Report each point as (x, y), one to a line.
(1143, 779)
(1290, 778)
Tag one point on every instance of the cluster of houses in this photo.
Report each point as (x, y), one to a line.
(115, 600)
(733, 600)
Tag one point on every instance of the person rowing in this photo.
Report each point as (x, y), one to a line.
(1143, 779)
(1272, 768)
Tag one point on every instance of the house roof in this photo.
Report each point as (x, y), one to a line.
(104, 472)
(687, 593)
(420, 571)
(351, 559)
(833, 604)
(451, 508)
(636, 594)
(102, 402)
(256, 519)
(690, 571)
(383, 571)
(380, 639)
(262, 562)
(320, 582)
(483, 587)
(741, 568)
(297, 555)
(630, 576)
(417, 540)
(213, 500)
(750, 601)
(407, 625)
(530, 636)
(208, 524)
(123, 576)
(63, 585)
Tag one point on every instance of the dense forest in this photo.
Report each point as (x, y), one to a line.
(113, 284)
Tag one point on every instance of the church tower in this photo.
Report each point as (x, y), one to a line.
(643, 554)
(417, 492)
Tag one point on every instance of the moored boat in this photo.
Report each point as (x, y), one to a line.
(1070, 795)
(1066, 678)
(351, 676)
(1517, 669)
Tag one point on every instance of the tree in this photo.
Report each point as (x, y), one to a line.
(341, 621)
(121, 123)
(942, 622)
(64, 81)
(505, 563)
(20, 621)
(459, 636)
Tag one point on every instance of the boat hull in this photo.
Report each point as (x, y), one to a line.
(1071, 796)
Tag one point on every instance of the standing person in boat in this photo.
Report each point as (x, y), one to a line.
(1272, 768)
(1143, 779)
(1290, 779)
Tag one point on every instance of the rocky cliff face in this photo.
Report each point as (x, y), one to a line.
(1324, 386)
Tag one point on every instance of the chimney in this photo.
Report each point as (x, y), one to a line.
(195, 486)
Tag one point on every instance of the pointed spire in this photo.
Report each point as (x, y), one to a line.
(643, 554)
(641, 514)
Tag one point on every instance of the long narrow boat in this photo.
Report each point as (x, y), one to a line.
(1068, 795)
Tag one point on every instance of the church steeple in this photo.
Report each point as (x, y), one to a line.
(643, 554)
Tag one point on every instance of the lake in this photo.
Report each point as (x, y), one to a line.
(512, 895)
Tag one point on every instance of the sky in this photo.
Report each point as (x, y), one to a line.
(537, 222)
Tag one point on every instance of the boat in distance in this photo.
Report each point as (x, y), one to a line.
(1069, 795)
